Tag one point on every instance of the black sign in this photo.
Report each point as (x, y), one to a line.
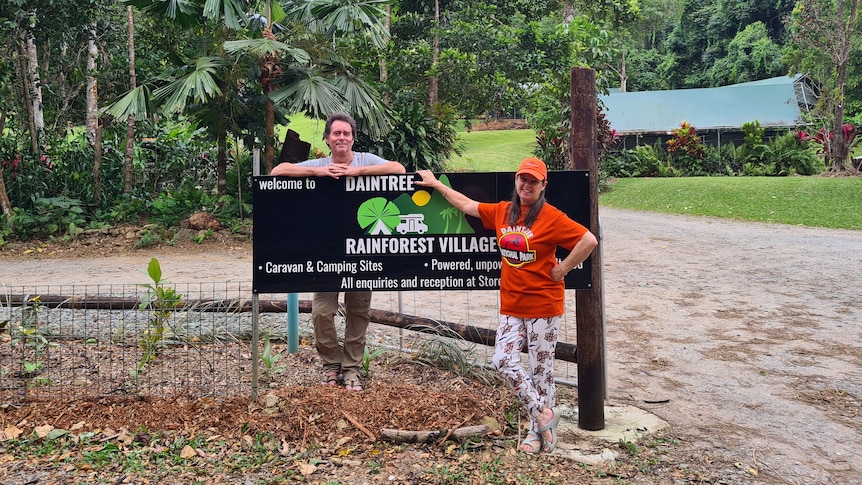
(383, 232)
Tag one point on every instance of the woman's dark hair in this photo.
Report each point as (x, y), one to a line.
(338, 116)
(515, 210)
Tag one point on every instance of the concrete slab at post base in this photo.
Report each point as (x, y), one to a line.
(622, 422)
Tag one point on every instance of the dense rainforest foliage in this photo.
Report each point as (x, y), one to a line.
(112, 111)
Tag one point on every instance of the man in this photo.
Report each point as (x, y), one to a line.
(341, 363)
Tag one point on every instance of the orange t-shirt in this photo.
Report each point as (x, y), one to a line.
(526, 287)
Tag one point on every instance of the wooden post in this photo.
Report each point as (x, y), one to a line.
(589, 311)
(255, 336)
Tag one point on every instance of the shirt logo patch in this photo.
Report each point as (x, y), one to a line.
(515, 249)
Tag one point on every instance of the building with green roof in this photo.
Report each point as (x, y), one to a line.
(778, 104)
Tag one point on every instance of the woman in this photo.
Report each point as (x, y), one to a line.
(532, 290)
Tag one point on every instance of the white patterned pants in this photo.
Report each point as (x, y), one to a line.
(535, 389)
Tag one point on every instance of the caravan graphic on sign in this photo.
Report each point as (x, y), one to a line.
(412, 224)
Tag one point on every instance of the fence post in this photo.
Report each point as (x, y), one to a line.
(292, 323)
(588, 303)
(255, 371)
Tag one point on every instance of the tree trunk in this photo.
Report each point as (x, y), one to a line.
(221, 162)
(568, 12)
(623, 76)
(94, 131)
(26, 86)
(433, 88)
(128, 158)
(36, 89)
(839, 149)
(66, 94)
(384, 70)
(92, 94)
(269, 142)
(5, 204)
(97, 164)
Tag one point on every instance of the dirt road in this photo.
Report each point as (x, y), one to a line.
(744, 336)
(750, 331)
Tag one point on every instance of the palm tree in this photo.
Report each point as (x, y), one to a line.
(294, 71)
(203, 85)
(447, 214)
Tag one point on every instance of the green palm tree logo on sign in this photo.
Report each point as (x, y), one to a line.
(447, 214)
(378, 216)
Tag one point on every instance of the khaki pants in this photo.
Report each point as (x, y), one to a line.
(356, 307)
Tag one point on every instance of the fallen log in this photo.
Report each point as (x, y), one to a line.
(485, 336)
(102, 302)
(459, 434)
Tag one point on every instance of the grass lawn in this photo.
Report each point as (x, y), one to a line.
(493, 151)
(834, 202)
(811, 201)
(484, 151)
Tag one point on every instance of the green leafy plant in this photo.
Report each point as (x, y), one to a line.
(240, 226)
(794, 156)
(551, 148)
(631, 448)
(641, 161)
(368, 357)
(607, 138)
(687, 149)
(270, 360)
(204, 235)
(442, 347)
(512, 415)
(48, 216)
(28, 335)
(161, 300)
(152, 235)
(423, 138)
(448, 474)
(128, 208)
(828, 145)
(166, 210)
(98, 458)
(752, 133)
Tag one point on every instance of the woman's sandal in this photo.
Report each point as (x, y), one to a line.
(533, 441)
(351, 381)
(548, 446)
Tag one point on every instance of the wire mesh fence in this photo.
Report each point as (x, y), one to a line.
(114, 340)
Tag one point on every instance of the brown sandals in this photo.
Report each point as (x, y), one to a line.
(330, 377)
(351, 380)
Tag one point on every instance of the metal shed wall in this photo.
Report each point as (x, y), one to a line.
(773, 102)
